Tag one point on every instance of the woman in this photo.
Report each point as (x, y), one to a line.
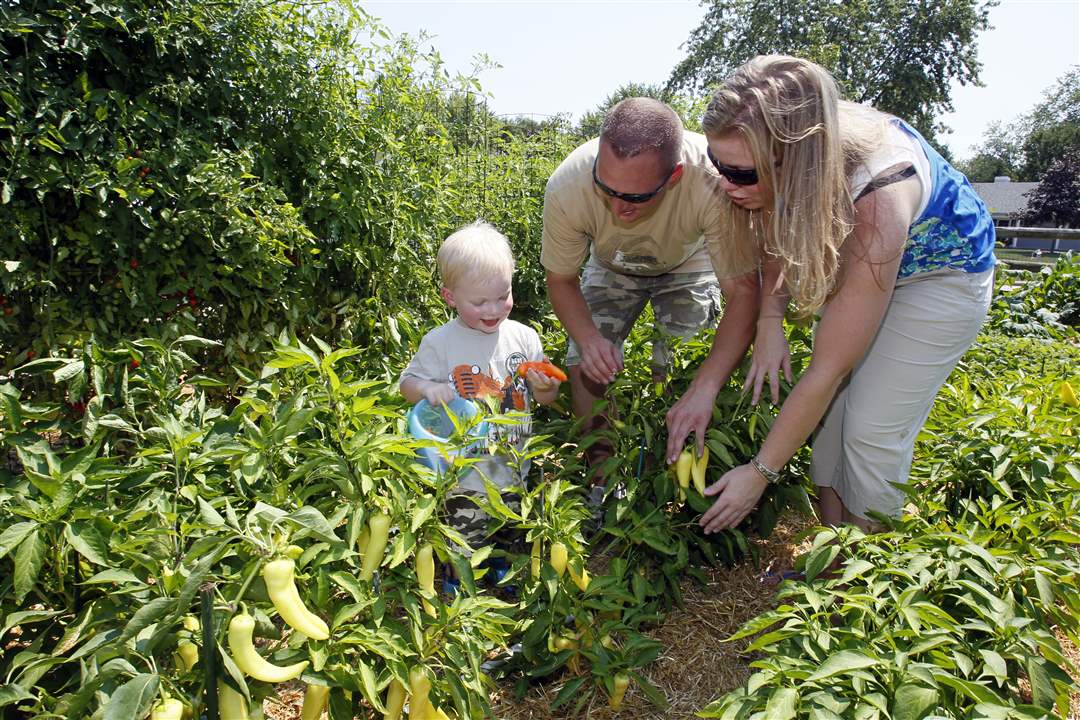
(864, 224)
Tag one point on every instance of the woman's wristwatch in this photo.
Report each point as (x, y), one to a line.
(771, 476)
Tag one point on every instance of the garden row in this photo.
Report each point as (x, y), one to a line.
(163, 500)
(166, 496)
(957, 610)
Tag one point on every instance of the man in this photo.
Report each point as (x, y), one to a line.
(640, 208)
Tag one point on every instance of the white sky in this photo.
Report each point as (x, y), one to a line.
(568, 56)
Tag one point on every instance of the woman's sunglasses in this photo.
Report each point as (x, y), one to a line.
(734, 175)
(633, 198)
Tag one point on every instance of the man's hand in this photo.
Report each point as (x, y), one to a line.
(739, 491)
(771, 354)
(439, 393)
(691, 414)
(600, 359)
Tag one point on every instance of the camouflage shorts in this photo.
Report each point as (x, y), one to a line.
(682, 304)
(464, 515)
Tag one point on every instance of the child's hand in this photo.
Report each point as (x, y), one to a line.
(542, 387)
(439, 393)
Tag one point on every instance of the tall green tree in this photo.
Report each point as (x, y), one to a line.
(999, 153)
(1027, 147)
(688, 108)
(902, 56)
(1053, 126)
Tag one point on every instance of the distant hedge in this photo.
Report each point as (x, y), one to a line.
(232, 169)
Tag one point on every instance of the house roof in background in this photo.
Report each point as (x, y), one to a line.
(1004, 198)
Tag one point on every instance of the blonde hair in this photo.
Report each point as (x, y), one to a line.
(474, 253)
(641, 124)
(805, 142)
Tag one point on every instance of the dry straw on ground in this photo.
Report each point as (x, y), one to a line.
(696, 665)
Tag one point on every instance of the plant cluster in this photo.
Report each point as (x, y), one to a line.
(952, 613)
(229, 169)
(1045, 304)
(178, 539)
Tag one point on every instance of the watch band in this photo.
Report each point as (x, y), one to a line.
(771, 476)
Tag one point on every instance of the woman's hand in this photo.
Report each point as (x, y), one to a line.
(691, 414)
(739, 491)
(771, 355)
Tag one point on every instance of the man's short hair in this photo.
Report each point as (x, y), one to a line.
(474, 253)
(640, 124)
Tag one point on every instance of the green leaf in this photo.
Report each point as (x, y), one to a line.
(89, 543)
(842, 662)
(819, 559)
(68, 371)
(209, 515)
(10, 694)
(310, 519)
(369, 684)
(25, 617)
(50, 145)
(425, 506)
(972, 690)
(349, 583)
(28, 561)
(14, 534)
(11, 101)
(146, 616)
(133, 699)
(652, 692)
(113, 575)
(196, 341)
(1042, 687)
(568, 691)
(853, 569)
(74, 632)
(913, 702)
(782, 704)
(994, 665)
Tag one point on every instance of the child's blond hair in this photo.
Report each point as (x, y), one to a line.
(475, 252)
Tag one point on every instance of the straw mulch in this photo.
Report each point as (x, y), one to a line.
(695, 667)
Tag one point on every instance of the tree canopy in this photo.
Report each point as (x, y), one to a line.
(1026, 148)
(1056, 200)
(902, 56)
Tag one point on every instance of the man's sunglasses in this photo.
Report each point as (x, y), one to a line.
(734, 175)
(633, 198)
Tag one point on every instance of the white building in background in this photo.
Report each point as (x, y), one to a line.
(1006, 201)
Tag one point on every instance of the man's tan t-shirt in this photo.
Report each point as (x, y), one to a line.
(682, 234)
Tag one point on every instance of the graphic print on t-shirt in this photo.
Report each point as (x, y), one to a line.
(472, 383)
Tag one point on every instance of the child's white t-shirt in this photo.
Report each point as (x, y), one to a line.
(466, 358)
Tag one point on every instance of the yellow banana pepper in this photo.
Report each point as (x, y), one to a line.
(378, 529)
(278, 576)
(248, 659)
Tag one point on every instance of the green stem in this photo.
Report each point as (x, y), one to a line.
(247, 581)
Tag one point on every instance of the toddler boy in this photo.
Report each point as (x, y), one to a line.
(478, 353)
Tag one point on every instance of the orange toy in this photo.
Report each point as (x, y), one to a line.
(544, 368)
